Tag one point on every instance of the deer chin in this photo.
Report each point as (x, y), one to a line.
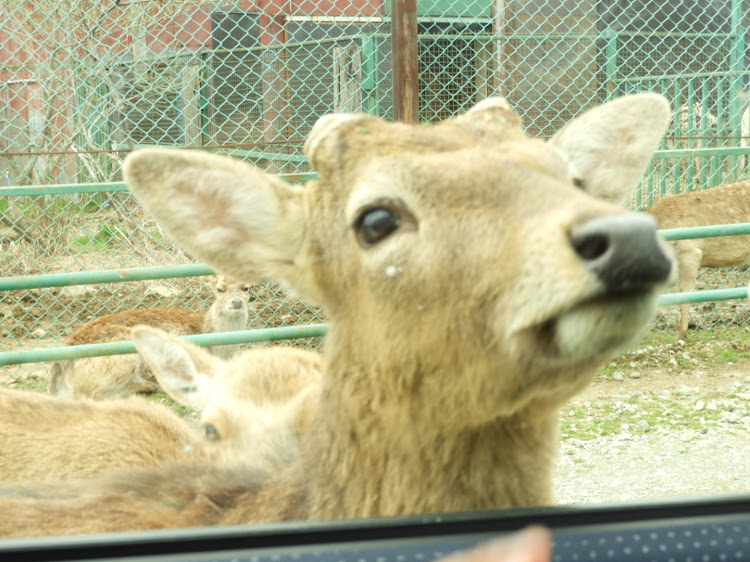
(594, 328)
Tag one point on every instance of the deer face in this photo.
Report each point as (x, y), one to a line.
(463, 265)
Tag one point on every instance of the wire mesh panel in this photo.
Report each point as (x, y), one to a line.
(84, 83)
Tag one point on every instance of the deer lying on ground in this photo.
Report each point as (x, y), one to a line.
(47, 437)
(256, 408)
(474, 279)
(725, 204)
(118, 376)
(263, 397)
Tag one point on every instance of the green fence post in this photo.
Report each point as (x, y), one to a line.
(610, 65)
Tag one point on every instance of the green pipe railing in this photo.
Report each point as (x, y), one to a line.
(118, 348)
(102, 276)
(72, 188)
(703, 296)
(63, 188)
(672, 234)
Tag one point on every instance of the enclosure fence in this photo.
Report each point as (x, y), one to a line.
(83, 83)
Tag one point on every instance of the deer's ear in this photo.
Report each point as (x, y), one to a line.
(609, 147)
(183, 370)
(233, 216)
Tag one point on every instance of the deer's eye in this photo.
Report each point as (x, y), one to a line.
(376, 224)
(378, 220)
(210, 432)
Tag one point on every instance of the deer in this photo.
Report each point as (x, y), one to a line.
(118, 376)
(57, 438)
(260, 405)
(689, 120)
(262, 397)
(474, 279)
(724, 204)
(690, 117)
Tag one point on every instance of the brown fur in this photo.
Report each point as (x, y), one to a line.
(463, 312)
(259, 408)
(45, 437)
(725, 204)
(117, 376)
(263, 401)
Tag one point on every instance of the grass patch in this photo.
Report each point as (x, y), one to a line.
(637, 417)
(33, 383)
(704, 348)
(105, 236)
(166, 400)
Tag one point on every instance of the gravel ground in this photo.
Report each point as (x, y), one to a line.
(661, 422)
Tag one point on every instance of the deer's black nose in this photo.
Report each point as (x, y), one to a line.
(623, 251)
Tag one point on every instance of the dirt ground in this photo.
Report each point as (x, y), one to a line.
(664, 421)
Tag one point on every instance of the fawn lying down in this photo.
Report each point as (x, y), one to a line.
(256, 408)
(474, 278)
(117, 376)
(261, 402)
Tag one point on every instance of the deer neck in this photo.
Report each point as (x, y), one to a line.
(367, 461)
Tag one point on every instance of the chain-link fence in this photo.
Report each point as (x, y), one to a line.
(82, 83)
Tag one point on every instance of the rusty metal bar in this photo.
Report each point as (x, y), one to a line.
(405, 61)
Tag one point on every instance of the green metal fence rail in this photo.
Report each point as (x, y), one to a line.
(117, 348)
(103, 276)
(671, 234)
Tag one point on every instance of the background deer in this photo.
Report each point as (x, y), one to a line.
(264, 397)
(725, 204)
(117, 376)
(474, 279)
(254, 409)
(54, 438)
(692, 125)
(691, 118)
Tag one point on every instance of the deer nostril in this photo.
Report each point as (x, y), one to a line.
(622, 250)
(591, 247)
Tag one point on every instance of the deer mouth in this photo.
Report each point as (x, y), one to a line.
(597, 326)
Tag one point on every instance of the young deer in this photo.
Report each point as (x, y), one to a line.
(719, 205)
(262, 398)
(55, 438)
(117, 376)
(256, 408)
(474, 279)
